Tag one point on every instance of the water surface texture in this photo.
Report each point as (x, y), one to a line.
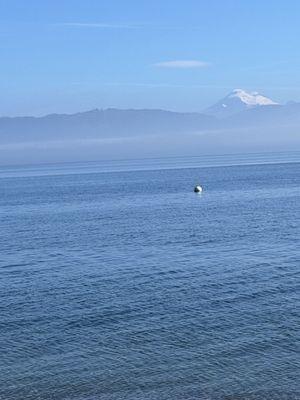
(127, 285)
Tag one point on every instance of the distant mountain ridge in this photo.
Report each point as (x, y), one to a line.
(250, 122)
(103, 123)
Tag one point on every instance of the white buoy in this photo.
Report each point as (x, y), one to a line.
(198, 189)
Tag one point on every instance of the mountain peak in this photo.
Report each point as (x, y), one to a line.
(252, 98)
(238, 100)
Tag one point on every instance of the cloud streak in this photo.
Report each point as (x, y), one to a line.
(182, 64)
(113, 25)
(100, 25)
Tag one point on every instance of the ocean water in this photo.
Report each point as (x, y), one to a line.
(127, 285)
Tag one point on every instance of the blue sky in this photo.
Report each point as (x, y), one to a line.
(71, 55)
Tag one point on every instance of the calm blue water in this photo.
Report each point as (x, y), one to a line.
(127, 285)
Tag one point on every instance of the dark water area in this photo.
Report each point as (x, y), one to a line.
(127, 285)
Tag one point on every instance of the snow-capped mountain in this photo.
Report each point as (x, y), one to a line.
(236, 101)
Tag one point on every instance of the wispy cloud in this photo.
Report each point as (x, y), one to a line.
(116, 25)
(100, 25)
(182, 64)
(166, 85)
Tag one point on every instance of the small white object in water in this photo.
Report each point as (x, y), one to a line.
(198, 189)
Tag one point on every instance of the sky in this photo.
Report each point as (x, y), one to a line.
(71, 55)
